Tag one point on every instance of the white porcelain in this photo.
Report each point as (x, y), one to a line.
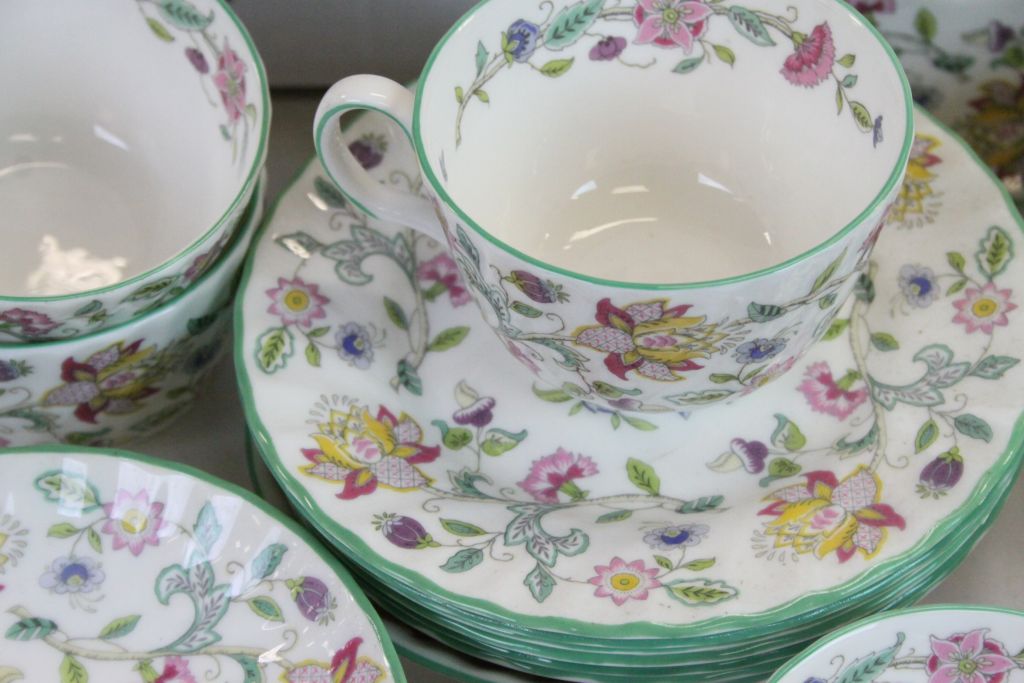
(950, 643)
(115, 566)
(635, 189)
(128, 381)
(131, 140)
(402, 433)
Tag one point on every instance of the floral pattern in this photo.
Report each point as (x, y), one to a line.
(917, 203)
(622, 581)
(133, 521)
(557, 473)
(983, 309)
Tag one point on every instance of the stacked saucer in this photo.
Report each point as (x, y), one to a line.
(522, 526)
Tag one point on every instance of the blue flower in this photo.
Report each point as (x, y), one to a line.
(355, 346)
(759, 350)
(72, 575)
(679, 536)
(918, 286)
(522, 39)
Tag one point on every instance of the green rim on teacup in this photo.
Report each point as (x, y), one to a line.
(796, 611)
(885, 616)
(246, 190)
(249, 497)
(244, 229)
(895, 178)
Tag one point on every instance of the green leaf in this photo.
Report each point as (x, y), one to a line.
(250, 667)
(614, 516)
(993, 367)
(571, 23)
(498, 441)
(973, 426)
(663, 562)
(313, 354)
(780, 468)
(827, 300)
(482, 95)
(994, 252)
(864, 290)
(725, 54)
(409, 378)
(62, 530)
(331, 196)
(884, 341)
(861, 115)
(396, 314)
(459, 95)
(525, 309)
(151, 290)
(207, 528)
(688, 65)
(787, 435)
(826, 275)
(453, 437)
(637, 423)
(643, 476)
(318, 332)
(159, 30)
(551, 395)
(266, 608)
(926, 436)
(750, 26)
(762, 313)
(702, 504)
(463, 561)
(147, 672)
(266, 563)
(273, 348)
(847, 60)
(481, 57)
(695, 592)
(30, 629)
(540, 583)
(722, 378)
(90, 308)
(197, 326)
(454, 526)
(956, 261)
(94, 540)
(700, 565)
(836, 329)
(860, 444)
(120, 627)
(8, 674)
(849, 81)
(926, 24)
(577, 408)
(69, 490)
(840, 100)
(72, 671)
(616, 420)
(869, 668)
(184, 15)
(557, 67)
(448, 339)
(957, 287)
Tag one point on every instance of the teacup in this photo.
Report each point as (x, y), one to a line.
(658, 204)
(131, 140)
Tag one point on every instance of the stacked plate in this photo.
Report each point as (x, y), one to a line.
(519, 525)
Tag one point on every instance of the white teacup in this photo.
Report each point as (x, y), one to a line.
(132, 134)
(657, 203)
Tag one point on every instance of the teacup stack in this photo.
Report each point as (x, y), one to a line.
(131, 155)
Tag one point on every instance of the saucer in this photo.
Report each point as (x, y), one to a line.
(941, 642)
(407, 437)
(115, 566)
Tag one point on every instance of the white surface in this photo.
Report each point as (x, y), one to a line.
(212, 435)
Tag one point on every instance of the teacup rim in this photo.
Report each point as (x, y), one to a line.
(196, 244)
(249, 223)
(894, 179)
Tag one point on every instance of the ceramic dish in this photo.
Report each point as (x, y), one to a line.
(114, 565)
(128, 381)
(967, 68)
(401, 435)
(124, 177)
(958, 644)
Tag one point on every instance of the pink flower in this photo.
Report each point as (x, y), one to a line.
(230, 81)
(868, 6)
(297, 302)
(558, 472)
(983, 309)
(133, 521)
(812, 61)
(443, 275)
(670, 23)
(827, 395)
(622, 581)
(968, 658)
(32, 323)
(176, 671)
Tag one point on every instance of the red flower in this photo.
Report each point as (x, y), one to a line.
(812, 61)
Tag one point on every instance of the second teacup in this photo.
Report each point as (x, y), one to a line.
(656, 203)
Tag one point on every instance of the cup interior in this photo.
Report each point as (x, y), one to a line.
(601, 139)
(128, 131)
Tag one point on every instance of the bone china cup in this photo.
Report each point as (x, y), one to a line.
(132, 134)
(656, 203)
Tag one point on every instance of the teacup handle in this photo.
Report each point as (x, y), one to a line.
(387, 97)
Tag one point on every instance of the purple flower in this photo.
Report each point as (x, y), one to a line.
(541, 291)
(999, 34)
(405, 532)
(72, 575)
(355, 345)
(752, 453)
(608, 49)
(198, 60)
(759, 350)
(522, 39)
(313, 599)
(369, 150)
(12, 370)
(941, 474)
(678, 536)
(918, 285)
